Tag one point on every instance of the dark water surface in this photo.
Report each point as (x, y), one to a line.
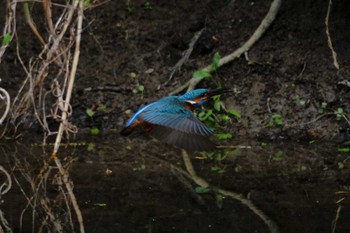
(124, 188)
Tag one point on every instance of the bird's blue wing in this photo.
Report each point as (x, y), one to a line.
(175, 117)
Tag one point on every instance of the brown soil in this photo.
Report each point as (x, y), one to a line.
(290, 72)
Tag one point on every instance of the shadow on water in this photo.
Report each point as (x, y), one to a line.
(146, 188)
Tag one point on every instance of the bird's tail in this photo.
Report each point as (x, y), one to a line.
(126, 131)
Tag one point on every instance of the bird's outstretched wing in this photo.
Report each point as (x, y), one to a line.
(178, 126)
(177, 118)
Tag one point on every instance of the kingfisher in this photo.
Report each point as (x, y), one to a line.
(171, 120)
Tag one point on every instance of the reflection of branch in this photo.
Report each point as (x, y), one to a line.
(8, 102)
(3, 191)
(334, 223)
(203, 183)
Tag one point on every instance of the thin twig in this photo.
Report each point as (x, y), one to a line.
(48, 13)
(31, 24)
(8, 103)
(186, 55)
(8, 184)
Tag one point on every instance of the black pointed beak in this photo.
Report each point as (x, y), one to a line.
(218, 91)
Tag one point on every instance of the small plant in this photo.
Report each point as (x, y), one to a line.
(276, 119)
(322, 108)
(86, 3)
(219, 116)
(128, 5)
(95, 131)
(199, 74)
(344, 150)
(6, 40)
(100, 108)
(90, 112)
(90, 146)
(219, 200)
(140, 166)
(339, 113)
(147, 6)
(223, 136)
(217, 169)
(278, 155)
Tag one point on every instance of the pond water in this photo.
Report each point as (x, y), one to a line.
(121, 187)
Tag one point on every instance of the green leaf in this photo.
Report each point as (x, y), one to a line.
(141, 88)
(225, 117)
(278, 155)
(203, 116)
(217, 105)
(339, 113)
(277, 119)
(215, 63)
(219, 200)
(344, 149)
(101, 204)
(7, 38)
(91, 146)
(217, 169)
(199, 74)
(95, 131)
(223, 136)
(132, 75)
(102, 108)
(234, 113)
(202, 189)
(86, 3)
(89, 112)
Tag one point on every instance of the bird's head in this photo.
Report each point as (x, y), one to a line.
(198, 97)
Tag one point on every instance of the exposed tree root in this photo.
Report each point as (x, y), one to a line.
(264, 25)
(329, 40)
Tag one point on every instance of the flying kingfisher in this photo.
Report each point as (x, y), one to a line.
(171, 120)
